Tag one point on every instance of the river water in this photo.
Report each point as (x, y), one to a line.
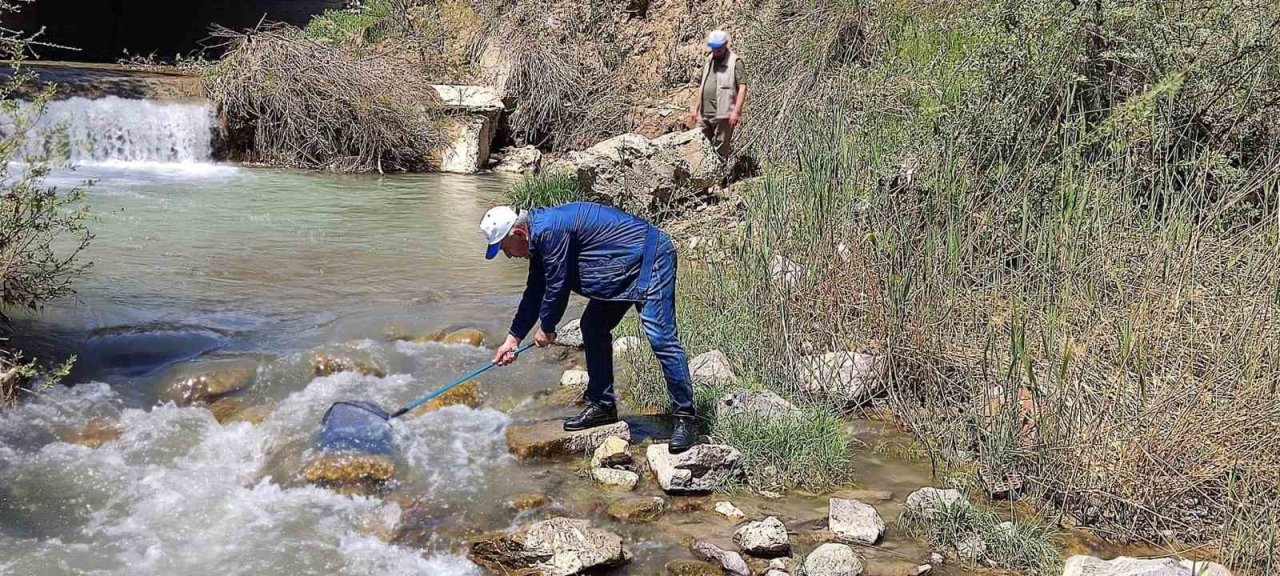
(196, 261)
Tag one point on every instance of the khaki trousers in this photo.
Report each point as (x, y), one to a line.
(720, 133)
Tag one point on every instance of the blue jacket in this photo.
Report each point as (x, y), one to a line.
(599, 252)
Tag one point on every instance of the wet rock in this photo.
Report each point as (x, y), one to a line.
(568, 395)
(97, 431)
(555, 547)
(784, 564)
(889, 567)
(832, 560)
(854, 522)
(865, 495)
(626, 344)
(519, 160)
(527, 501)
(465, 394)
(756, 404)
(731, 562)
(574, 378)
(213, 381)
(612, 452)
(972, 549)
(328, 365)
(349, 472)
(252, 415)
(712, 367)
(785, 273)
(225, 408)
(728, 510)
(468, 336)
(1127, 566)
(637, 510)
(547, 439)
(766, 538)
(847, 376)
(926, 503)
(701, 469)
(617, 479)
(691, 568)
(570, 334)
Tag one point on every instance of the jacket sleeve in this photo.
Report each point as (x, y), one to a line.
(527, 313)
(553, 246)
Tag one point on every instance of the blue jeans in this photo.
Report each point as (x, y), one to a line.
(658, 318)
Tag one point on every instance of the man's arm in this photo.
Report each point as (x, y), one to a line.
(527, 312)
(696, 109)
(553, 246)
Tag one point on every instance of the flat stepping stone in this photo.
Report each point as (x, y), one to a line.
(547, 439)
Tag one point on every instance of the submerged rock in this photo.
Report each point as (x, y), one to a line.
(252, 414)
(762, 404)
(614, 451)
(926, 503)
(637, 510)
(766, 538)
(97, 431)
(847, 376)
(547, 439)
(468, 336)
(225, 408)
(701, 469)
(328, 365)
(207, 382)
(731, 562)
(691, 568)
(465, 394)
(555, 547)
(832, 560)
(1127, 566)
(854, 522)
(619, 479)
(712, 367)
(527, 501)
(348, 472)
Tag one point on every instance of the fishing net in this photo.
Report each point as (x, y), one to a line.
(356, 426)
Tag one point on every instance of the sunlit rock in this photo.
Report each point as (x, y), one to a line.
(547, 439)
(555, 547)
(328, 365)
(637, 510)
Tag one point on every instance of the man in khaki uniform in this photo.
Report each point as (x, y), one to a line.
(717, 106)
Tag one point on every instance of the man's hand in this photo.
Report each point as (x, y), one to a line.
(693, 118)
(507, 351)
(733, 119)
(543, 339)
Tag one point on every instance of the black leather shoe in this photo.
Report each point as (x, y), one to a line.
(685, 434)
(591, 416)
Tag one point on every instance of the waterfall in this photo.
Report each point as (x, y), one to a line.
(115, 130)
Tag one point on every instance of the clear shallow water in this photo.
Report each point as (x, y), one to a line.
(195, 260)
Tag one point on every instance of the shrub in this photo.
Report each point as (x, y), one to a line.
(541, 190)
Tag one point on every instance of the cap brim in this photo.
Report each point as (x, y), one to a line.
(720, 45)
(493, 251)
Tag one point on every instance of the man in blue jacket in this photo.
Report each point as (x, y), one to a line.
(618, 261)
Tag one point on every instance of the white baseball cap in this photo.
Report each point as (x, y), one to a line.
(495, 226)
(717, 38)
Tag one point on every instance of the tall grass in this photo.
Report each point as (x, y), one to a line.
(543, 189)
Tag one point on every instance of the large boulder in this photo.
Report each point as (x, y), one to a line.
(847, 376)
(928, 503)
(1126, 566)
(570, 334)
(699, 470)
(712, 367)
(766, 538)
(629, 168)
(468, 127)
(760, 404)
(519, 160)
(731, 562)
(854, 522)
(832, 560)
(555, 547)
(547, 439)
(349, 473)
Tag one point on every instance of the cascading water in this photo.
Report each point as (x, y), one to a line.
(115, 130)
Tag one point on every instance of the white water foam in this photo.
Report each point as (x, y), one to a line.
(115, 130)
(178, 493)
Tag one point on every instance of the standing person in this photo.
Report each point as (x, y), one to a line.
(717, 106)
(616, 260)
